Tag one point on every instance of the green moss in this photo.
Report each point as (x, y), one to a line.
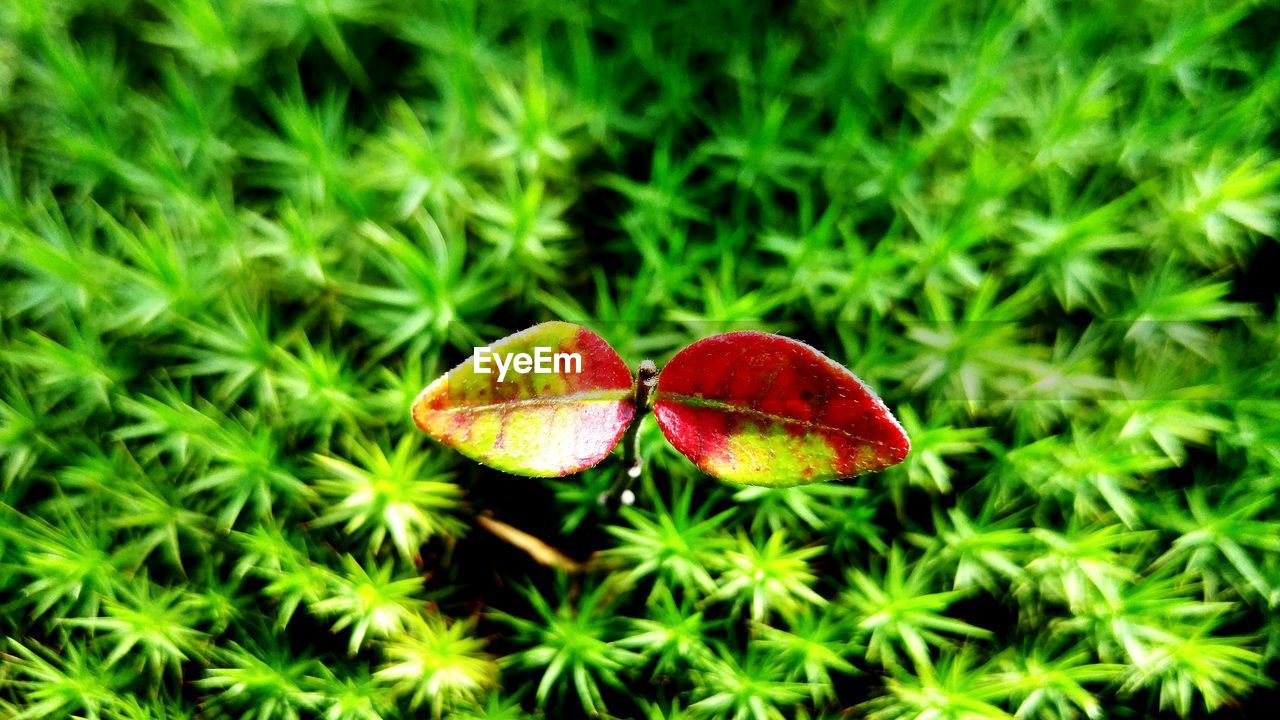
(238, 237)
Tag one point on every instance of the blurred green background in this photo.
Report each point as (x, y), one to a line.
(237, 238)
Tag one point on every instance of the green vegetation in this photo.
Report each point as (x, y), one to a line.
(237, 237)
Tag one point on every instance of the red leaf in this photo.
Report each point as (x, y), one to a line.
(536, 424)
(762, 409)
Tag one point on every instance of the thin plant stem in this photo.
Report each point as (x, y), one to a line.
(632, 463)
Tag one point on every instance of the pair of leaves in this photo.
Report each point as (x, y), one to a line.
(746, 407)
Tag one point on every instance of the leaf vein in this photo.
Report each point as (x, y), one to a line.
(699, 401)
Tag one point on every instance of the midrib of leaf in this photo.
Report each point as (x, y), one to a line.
(699, 401)
(568, 399)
